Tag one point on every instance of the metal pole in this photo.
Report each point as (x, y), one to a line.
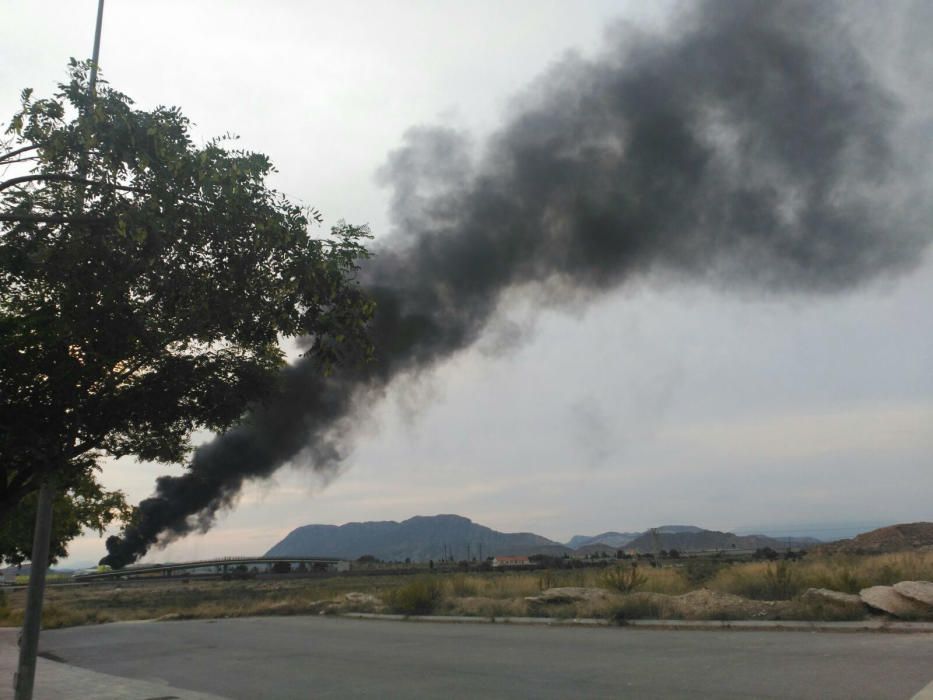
(95, 56)
(25, 676)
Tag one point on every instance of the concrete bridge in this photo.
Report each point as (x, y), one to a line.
(224, 567)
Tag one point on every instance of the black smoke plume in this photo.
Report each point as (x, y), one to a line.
(748, 147)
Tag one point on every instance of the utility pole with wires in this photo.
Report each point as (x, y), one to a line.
(25, 677)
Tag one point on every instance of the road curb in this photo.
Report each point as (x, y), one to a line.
(889, 626)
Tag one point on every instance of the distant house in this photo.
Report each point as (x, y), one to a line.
(499, 562)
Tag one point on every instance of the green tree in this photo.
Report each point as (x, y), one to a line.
(145, 283)
(82, 503)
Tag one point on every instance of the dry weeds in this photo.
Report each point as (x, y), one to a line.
(494, 594)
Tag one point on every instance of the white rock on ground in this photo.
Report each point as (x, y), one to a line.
(888, 600)
(921, 591)
(826, 595)
(362, 599)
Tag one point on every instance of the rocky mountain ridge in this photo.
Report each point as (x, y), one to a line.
(420, 538)
(439, 537)
(903, 537)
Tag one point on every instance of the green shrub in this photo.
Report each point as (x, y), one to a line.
(889, 574)
(623, 579)
(566, 611)
(699, 571)
(637, 607)
(421, 596)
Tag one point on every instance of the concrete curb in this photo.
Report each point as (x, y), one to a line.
(738, 625)
(551, 621)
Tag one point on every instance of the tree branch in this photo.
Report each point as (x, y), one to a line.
(66, 178)
(10, 154)
(17, 181)
(40, 219)
(6, 163)
(15, 491)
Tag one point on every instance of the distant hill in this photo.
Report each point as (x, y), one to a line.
(894, 538)
(419, 538)
(597, 548)
(612, 539)
(676, 529)
(698, 539)
(620, 540)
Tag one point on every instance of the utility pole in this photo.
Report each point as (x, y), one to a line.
(25, 677)
(95, 54)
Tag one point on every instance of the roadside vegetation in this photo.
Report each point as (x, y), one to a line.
(688, 589)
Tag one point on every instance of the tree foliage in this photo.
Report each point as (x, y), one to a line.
(145, 283)
(80, 503)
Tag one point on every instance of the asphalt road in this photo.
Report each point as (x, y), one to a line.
(320, 657)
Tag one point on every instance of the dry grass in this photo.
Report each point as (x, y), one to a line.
(56, 616)
(712, 605)
(820, 610)
(93, 604)
(850, 574)
(760, 580)
(513, 584)
(670, 581)
(479, 606)
(639, 607)
(500, 585)
(489, 594)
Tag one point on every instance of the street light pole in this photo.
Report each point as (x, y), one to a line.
(25, 677)
(95, 54)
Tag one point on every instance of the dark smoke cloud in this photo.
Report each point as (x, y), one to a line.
(748, 148)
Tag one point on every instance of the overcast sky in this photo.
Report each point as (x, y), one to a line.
(655, 404)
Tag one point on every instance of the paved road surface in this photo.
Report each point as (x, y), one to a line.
(55, 681)
(319, 657)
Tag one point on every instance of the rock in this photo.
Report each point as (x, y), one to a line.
(570, 594)
(825, 595)
(888, 600)
(362, 599)
(920, 591)
(170, 616)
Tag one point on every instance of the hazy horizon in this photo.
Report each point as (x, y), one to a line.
(825, 532)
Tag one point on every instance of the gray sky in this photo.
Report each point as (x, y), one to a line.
(655, 404)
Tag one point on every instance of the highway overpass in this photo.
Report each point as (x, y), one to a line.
(225, 567)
